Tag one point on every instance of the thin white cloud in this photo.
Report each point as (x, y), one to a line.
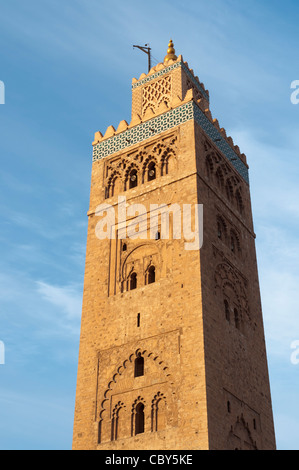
(37, 316)
(67, 299)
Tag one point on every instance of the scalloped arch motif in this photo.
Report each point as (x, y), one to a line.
(240, 435)
(225, 275)
(222, 175)
(164, 122)
(158, 153)
(121, 369)
(152, 250)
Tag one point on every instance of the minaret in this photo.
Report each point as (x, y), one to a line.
(172, 350)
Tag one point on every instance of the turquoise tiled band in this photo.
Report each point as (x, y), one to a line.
(164, 122)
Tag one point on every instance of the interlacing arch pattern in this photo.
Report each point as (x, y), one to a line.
(220, 174)
(240, 436)
(112, 183)
(122, 369)
(229, 236)
(115, 420)
(156, 402)
(197, 94)
(151, 162)
(139, 409)
(222, 228)
(229, 280)
(156, 93)
(141, 167)
(150, 274)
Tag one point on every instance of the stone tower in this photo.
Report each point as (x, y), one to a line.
(172, 351)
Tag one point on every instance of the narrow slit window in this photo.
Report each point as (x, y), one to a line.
(237, 319)
(164, 169)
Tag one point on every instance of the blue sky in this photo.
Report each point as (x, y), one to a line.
(67, 68)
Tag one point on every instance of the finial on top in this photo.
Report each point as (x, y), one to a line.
(170, 52)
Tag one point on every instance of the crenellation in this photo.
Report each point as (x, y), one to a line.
(123, 126)
(136, 119)
(223, 133)
(109, 132)
(209, 114)
(216, 124)
(98, 137)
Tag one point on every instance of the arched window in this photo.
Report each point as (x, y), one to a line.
(139, 366)
(158, 413)
(139, 419)
(165, 166)
(234, 243)
(209, 167)
(228, 407)
(133, 281)
(239, 201)
(124, 247)
(133, 179)
(221, 229)
(229, 190)
(151, 171)
(226, 309)
(151, 275)
(237, 319)
(116, 424)
(116, 186)
(219, 179)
